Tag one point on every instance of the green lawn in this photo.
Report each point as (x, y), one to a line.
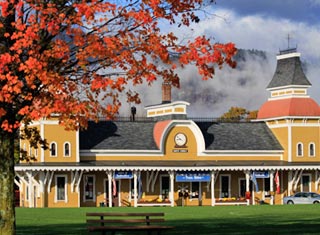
(262, 219)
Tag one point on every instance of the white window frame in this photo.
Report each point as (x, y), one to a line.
(65, 188)
(297, 153)
(64, 149)
(314, 149)
(56, 154)
(93, 189)
(229, 185)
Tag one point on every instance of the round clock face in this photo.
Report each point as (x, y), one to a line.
(180, 139)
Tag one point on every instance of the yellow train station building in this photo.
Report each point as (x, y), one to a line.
(167, 159)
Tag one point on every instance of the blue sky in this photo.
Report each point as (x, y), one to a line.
(306, 11)
(265, 24)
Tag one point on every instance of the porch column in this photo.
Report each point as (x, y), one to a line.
(248, 185)
(135, 194)
(110, 188)
(290, 182)
(213, 199)
(30, 190)
(171, 193)
(272, 187)
(41, 189)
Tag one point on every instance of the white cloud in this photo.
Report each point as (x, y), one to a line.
(250, 32)
(315, 2)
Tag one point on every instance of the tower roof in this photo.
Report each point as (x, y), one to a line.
(289, 90)
(297, 107)
(288, 72)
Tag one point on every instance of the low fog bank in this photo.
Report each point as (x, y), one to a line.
(244, 86)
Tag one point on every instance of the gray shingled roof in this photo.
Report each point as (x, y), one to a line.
(118, 135)
(239, 136)
(139, 136)
(288, 72)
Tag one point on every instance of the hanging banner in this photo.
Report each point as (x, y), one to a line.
(122, 175)
(193, 177)
(261, 174)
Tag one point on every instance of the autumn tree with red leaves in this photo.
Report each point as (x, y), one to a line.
(74, 58)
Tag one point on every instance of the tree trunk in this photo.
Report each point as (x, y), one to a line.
(7, 207)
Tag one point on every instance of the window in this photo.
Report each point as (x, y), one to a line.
(266, 187)
(243, 187)
(194, 192)
(305, 183)
(299, 149)
(89, 193)
(36, 152)
(165, 184)
(53, 149)
(224, 186)
(61, 188)
(311, 150)
(66, 149)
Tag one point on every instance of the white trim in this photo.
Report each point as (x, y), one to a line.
(207, 153)
(77, 146)
(165, 168)
(115, 153)
(183, 123)
(289, 150)
(171, 104)
(294, 124)
(42, 135)
(288, 55)
(286, 117)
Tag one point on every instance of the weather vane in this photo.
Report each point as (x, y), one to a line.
(288, 40)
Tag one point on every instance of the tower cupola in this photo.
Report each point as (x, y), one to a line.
(288, 90)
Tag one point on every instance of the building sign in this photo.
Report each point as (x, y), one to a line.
(180, 150)
(261, 174)
(193, 177)
(123, 175)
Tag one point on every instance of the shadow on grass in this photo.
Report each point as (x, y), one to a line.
(245, 226)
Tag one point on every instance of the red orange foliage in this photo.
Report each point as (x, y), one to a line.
(74, 58)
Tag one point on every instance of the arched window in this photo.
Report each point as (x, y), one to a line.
(312, 150)
(53, 149)
(66, 149)
(299, 149)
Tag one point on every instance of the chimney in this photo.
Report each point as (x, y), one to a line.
(166, 93)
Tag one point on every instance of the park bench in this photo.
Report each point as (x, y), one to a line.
(112, 222)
